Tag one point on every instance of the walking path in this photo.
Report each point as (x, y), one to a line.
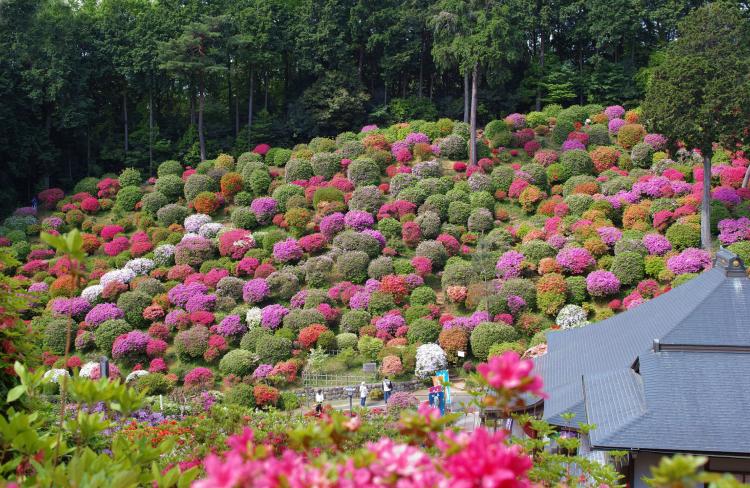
(459, 399)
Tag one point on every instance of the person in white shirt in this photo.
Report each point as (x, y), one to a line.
(362, 394)
(387, 389)
(319, 401)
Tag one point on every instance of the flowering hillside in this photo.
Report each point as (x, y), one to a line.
(228, 281)
(382, 245)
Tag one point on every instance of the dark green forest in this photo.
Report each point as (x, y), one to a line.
(88, 87)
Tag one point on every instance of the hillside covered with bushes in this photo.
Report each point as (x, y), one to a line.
(379, 245)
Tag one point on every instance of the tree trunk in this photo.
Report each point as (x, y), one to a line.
(192, 104)
(466, 97)
(88, 151)
(150, 131)
(746, 178)
(541, 73)
(473, 144)
(250, 105)
(229, 88)
(421, 66)
(706, 204)
(125, 118)
(201, 105)
(360, 62)
(385, 94)
(265, 100)
(236, 116)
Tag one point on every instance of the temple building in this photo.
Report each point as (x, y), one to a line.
(669, 376)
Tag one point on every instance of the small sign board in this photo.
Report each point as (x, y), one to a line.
(349, 390)
(369, 367)
(461, 354)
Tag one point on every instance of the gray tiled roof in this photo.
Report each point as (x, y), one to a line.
(593, 362)
(682, 401)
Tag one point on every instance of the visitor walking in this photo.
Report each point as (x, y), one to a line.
(362, 394)
(319, 402)
(387, 389)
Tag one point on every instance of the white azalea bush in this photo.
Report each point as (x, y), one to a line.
(571, 316)
(430, 358)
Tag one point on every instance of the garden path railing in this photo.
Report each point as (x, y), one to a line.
(322, 380)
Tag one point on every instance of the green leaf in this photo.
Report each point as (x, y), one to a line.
(15, 393)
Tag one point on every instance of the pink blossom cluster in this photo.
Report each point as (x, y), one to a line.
(690, 260)
(575, 260)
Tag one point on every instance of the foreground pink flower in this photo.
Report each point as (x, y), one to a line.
(482, 459)
(509, 373)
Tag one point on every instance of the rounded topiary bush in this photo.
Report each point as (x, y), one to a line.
(243, 218)
(487, 334)
(130, 177)
(434, 251)
(153, 384)
(132, 303)
(128, 197)
(171, 214)
(423, 331)
(171, 186)
(298, 169)
(240, 394)
(152, 202)
(346, 340)
(198, 183)
(498, 133)
(253, 337)
(628, 267)
(56, 333)
(367, 199)
(325, 164)
(192, 343)
(352, 266)
(274, 349)
(363, 172)
(353, 320)
(453, 147)
(577, 162)
(108, 331)
(238, 362)
(641, 155)
(422, 295)
(683, 236)
(170, 167)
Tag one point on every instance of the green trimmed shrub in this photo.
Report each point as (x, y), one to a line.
(346, 340)
(56, 333)
(273, 349)
(130, 177)
(128, 197)
(238, 362)
(241, 394)
(487, 334)
(298, 169)
(363, 172)
(422, 295)
(369, 347)
(628, 267)
(423, 331)
(253, 337)
(353, 320)
(152, 202)
(171, 186)
(132, 303)
(108, 331)
(198, 183)
(577, 162)
(170, 167)
(683, 236)
(153, 384)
